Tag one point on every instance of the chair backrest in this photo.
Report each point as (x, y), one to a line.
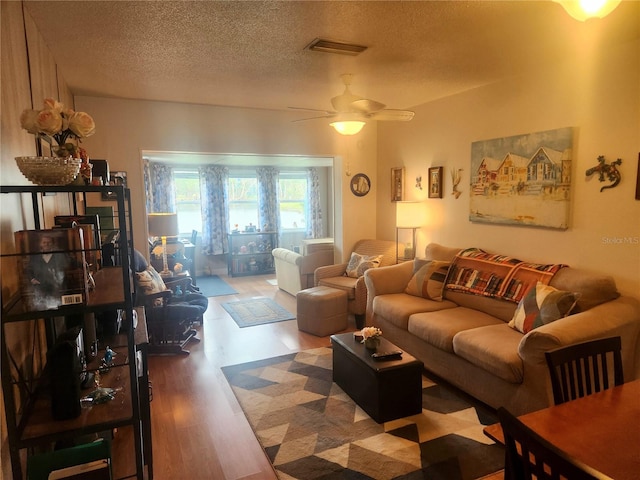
(528, 455)
(584, 368)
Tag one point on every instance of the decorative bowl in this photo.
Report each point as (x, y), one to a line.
(47, 171)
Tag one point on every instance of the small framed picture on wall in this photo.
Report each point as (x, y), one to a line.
(397, 184)
(435, 182)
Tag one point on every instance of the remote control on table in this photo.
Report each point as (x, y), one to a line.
(386, 355)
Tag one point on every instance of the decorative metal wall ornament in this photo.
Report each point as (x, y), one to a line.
(606, 172)
(456, 176)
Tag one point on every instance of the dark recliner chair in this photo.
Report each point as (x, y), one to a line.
(172, 306)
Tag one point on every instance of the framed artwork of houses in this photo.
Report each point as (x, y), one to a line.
(435, 182)
(522, 180)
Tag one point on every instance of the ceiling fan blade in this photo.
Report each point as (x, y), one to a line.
(313, 110)
(393, 115)
(366, 105)
(329, 115)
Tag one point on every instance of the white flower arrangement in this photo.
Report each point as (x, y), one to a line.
(56, 122)
(370, 332)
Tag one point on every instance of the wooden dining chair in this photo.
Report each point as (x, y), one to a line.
(584, 368)
(529, 456)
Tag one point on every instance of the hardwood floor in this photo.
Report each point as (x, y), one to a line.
(199, 431)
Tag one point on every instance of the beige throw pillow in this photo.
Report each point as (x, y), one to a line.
(429, 280)
(358, 264)
(150, 281)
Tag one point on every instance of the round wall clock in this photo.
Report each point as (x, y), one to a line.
(360, 185)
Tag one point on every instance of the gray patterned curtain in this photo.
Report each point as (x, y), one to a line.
(215, 209)
(161, 192)
(316, 226)
(268, 211)
(148, 188)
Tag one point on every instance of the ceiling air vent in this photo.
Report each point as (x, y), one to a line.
(332, 46)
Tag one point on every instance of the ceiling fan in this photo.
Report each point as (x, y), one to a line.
(351, 112)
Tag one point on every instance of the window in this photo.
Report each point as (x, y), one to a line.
(293, 201)
(187, 185)
(243, 200)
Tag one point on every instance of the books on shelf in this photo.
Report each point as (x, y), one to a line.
(52, 268)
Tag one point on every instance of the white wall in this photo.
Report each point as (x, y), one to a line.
(599, 93)
(124, 128)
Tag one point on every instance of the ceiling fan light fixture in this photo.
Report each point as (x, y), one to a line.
(348, 124)
(583, 10)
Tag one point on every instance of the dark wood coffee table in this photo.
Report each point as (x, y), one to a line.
(385, 389)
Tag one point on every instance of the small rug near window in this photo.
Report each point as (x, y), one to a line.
(256, 311)
(214, 286)
(310, 429)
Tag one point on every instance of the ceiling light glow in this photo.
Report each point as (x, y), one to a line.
(583, 10)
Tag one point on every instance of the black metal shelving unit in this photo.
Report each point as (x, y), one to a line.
(30, 424)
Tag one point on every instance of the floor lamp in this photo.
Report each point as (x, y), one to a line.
(409, 216)
(163, 225)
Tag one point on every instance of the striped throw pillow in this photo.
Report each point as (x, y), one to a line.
(428, 281)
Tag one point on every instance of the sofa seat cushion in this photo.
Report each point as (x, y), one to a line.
(493, 348)
(439, 327)
(396, 308)
(348, 284)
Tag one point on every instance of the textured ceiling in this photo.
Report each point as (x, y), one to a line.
(251, 54)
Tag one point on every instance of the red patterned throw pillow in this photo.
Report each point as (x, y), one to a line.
(541, 305)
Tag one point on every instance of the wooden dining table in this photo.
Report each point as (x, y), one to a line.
(601, 430)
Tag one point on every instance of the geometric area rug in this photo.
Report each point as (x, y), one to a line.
(310, 429)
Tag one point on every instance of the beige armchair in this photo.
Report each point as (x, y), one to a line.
(294, 271)
(335, 275)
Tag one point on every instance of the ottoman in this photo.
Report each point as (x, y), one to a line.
(385, 389)
(322, 310)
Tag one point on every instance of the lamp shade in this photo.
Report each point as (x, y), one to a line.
(163, 224)
(410, 214)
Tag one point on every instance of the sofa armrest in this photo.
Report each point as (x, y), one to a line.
(620, 317)
(288, 256)
(390, 279)
(384, 280)
(329, 271)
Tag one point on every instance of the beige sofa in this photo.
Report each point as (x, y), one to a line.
(466, 339)
(335, 275)
(294, 271)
